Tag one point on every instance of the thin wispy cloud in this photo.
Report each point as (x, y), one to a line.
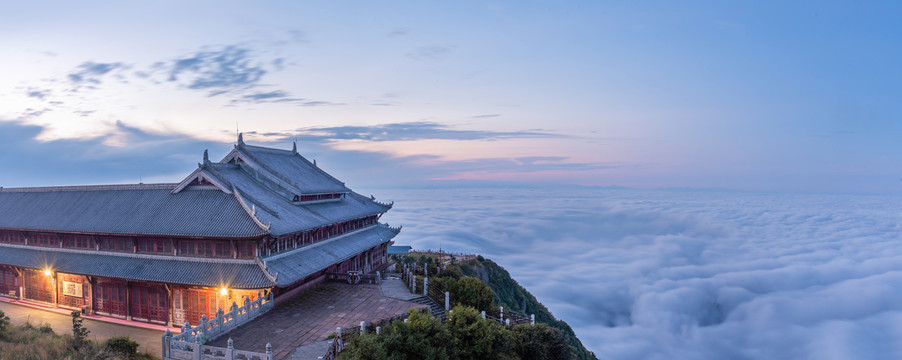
(409, 131)
(279, 96)
(221, 70)
(101, 93)
(91, 72)
(432, 52)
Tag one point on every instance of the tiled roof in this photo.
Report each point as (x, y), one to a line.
(298, 264)
(291, 266)
(286, 217)
(240, 274)
(261, 205)
(126, 209)
(300, 173)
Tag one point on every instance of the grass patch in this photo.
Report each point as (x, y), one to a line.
(30, 342)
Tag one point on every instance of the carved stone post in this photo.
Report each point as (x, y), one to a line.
(501, 313)
(269, 351)
(448, 302)
(341, 344)
(167, 340)
(362, 328)
(532, 319)
(483, 314)
(220, 318)
(204, 324)
(198, 350)
(378, 330)
(230, 350)
(425, 285)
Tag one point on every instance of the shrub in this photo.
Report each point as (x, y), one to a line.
(4, 323)
(471, 291)
(79, 332)
(45, 329)
(122, 345)
(541, 342)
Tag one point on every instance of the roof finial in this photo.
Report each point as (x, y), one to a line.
(240, 138)
(314, 162)
(206, 157)
(294, 147)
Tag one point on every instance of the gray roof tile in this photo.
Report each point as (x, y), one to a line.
(127, 209)
(298, 264)
(182, 270)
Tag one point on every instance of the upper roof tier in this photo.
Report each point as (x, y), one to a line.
(251, 192)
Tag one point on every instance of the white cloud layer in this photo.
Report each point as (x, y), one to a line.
(687, 275)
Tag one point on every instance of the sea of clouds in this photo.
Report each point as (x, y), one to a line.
(653, 274)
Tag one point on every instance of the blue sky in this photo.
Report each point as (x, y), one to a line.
(764, 96)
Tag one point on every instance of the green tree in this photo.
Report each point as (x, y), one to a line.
(474, 337)
(79, 331)
(541, 342)
(470, 291)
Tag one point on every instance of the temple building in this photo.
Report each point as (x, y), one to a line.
(260, 220)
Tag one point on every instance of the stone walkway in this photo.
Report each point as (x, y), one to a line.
(313, 315)
(394, 288)
(310, 351)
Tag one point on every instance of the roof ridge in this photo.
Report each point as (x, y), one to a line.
(267, 167)
(160, 186)
(320, 170)
(251, 211)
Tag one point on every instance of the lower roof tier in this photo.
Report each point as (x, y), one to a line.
(280, 270)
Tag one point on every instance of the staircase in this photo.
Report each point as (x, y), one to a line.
(434, 308)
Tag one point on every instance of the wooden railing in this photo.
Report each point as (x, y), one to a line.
(189, 344)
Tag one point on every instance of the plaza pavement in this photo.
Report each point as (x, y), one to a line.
(307, 319)
(312, 316)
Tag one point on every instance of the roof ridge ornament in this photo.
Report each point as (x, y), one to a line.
(206, 157)
(250, 211)
(240, 138)
(294, 147)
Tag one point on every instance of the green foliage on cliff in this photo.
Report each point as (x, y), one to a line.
(506, 292)
(511, 295)
(466, 335)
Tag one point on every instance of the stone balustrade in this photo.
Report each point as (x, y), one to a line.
(189, 344)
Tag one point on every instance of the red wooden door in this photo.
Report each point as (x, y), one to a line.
(110, 298)
(38, 286)
(9, 282)
(150, 303)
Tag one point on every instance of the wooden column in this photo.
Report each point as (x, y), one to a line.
(56, 290)
(128, 300)
(21, 278)
(171, 304)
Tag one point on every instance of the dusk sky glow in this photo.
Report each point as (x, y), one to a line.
(764, 96)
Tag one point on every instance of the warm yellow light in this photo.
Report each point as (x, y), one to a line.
(47, 272)
(223, 291)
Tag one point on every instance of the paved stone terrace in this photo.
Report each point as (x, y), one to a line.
(314, 314)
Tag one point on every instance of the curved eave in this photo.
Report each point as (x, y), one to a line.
(238, 274)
